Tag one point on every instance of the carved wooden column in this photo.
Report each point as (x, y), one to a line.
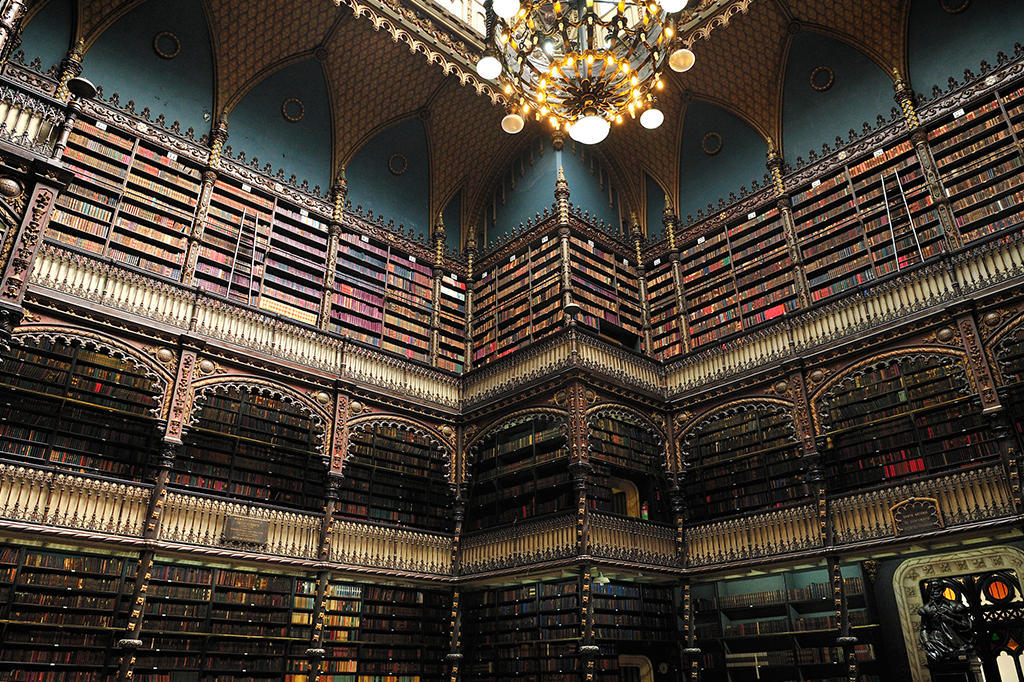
(977, 363)
(174, 429)
(637, 235)
(18, 251)
(784, 203)
(904, 97)
(811, 454)
(10, 28)
(470, 284)
(676, 494)
(339, 190)
(579, 460)
(70, 67)
(845, 640)
(218, 137)
(315, 653)
(569, 306)
(691, 652)
(588, 650)
(437, 237)
(671, 221)
(454, 656)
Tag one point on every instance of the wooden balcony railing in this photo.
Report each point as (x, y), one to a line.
(384, 547)
(50, 498)
(963, 497)
(521, 544)
(615, 537)
(782, 531)
(195, 520)
(30, 121)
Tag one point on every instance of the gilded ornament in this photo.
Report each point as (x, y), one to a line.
(992, 319)
(207, 366)
(165, 355)
(781, 387)
(815, 376)
(355, 407)
(447, 431)
(323, 397)
(945, 335)
(10, 188)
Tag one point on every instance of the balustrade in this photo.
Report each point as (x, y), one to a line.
(964, 497)
(614, 537)
(50, 498)
(196, 520)
(520, 544)
(29, 121)
(363, 544)
(754, 536)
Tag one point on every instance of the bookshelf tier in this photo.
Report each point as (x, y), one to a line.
(252, 447)
(395, 477)
(76, 409)
(902, 419)
(743, 459)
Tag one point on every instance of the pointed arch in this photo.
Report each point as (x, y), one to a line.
(727, 409)
(1009, 333)
(182, 87)
(947, 353)
(431, 434)
(628, 414)
(115, 348)
(284, 114)
(249, 384)
(828, 86)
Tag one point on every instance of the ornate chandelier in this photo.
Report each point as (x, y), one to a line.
(582, 64)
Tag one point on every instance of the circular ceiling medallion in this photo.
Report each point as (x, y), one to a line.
(166, 45)
(293, 110)
(954, 6)
(397, 164)
(711, 144)
(822, 78)
(424, 114)
(321, 54)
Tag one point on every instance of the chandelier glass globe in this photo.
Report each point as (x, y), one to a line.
(589, 62)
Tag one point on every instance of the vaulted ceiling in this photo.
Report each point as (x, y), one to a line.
(385, 60)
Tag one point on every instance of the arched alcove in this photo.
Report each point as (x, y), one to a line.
(285, 120)
(942, 43)
(390, 175)
(528, 186)
(719, 153)
(167, 45)
(47, 35)
(829, 89)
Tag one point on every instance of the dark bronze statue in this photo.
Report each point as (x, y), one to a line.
(946, 628)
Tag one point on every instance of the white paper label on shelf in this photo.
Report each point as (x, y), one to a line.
(878, 152)
(412, 259)
(172, 156)
(958, 113)
(815, 183)
(100, 125)
(701, 240)
(246, 188)
(455, 277)
(590, 243)
(512, 258)
(751, 215)
(625, 262)
(484, 276)
(657, 261)
(364, 238)
(544, 240)
(303, 212)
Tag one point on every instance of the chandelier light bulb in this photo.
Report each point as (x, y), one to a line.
(590, 129)
(652, 118)
(670, 6)
(506, 9)
(488, 67)
(512, 124)
(681, 60)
